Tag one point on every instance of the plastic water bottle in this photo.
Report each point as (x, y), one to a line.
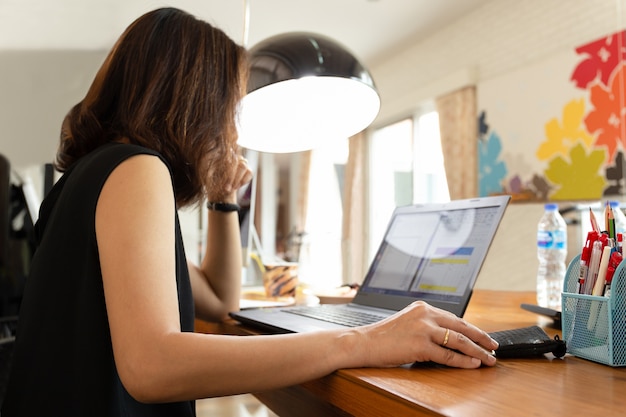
(551, 252)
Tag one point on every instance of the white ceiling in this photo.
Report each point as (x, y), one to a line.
(371, 29)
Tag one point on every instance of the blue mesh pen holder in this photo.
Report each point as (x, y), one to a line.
(594, 327)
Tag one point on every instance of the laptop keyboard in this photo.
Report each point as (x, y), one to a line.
(332, 314)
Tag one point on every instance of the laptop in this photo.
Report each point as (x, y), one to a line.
(430, 252)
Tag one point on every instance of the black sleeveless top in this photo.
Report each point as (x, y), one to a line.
(63, 359)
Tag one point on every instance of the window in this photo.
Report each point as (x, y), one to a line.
(320, 255)
(406, 167)
(391, 165)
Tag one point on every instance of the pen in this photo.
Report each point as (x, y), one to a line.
(594, 264)
(598, 286)
(614, 262)
(584, 268)
(585, 257)
(611, 222)
(609, 277)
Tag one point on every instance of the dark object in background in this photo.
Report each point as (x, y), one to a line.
(17, 242)
(7, 340)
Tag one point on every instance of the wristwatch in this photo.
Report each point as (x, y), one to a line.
(225, 207)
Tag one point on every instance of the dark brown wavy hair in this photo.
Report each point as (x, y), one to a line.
(171, 83)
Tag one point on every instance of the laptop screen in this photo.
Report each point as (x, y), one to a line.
(434, 252)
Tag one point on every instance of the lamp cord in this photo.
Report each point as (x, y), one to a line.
(246, 22)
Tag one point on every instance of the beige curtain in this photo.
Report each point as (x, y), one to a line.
(354, 212)
(299, 220)
(459, 141)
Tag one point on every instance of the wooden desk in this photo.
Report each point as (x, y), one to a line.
(514, 387)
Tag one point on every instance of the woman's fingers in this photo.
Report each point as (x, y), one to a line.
(464, 341)
(459, 351)
(243, 173)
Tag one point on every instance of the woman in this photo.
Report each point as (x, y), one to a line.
(106, 326)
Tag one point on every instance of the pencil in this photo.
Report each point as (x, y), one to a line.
(594, 222)
(611, 225)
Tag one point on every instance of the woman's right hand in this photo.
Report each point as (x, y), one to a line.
(242, 174)
(421, 333)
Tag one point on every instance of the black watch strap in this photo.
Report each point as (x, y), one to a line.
(225, 207)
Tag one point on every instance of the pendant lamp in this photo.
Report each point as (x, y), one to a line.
(304, 91)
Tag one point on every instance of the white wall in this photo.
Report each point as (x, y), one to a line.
(37, 89)
(498, 38)
(511, 263)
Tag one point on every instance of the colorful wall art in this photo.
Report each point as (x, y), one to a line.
(556, 129)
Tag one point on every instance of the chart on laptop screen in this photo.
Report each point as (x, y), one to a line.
(433, 255)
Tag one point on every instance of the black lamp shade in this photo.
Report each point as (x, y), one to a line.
(304, 89)
(296, 55)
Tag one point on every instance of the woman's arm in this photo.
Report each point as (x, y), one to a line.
(216, 283)
(157, 362)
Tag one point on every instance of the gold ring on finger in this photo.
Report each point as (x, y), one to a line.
(445, 338)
